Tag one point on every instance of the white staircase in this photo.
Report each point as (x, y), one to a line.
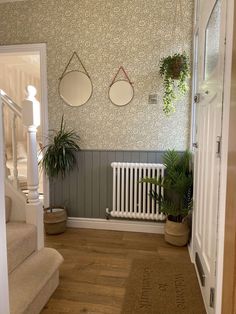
(32, 274)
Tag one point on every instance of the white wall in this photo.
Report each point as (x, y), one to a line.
(16, 72)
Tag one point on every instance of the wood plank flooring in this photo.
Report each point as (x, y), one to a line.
(97, 264)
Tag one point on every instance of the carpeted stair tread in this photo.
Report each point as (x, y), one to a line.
(30, 280)
(21, 243)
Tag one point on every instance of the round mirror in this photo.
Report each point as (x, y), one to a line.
(121, 93)
(75, 88)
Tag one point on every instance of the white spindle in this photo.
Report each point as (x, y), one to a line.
(31, 119)
(3, 140)
(14, 150)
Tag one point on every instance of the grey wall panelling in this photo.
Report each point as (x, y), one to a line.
(87, 190)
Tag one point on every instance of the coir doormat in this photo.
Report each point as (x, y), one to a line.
(158, 286)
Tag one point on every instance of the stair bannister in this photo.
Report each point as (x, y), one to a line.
(14, 150)
(15, 112)
(31, 120)
(3, 139)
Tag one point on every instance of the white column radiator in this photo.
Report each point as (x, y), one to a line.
(132, 199)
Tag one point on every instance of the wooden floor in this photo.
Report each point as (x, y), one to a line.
(97, 265)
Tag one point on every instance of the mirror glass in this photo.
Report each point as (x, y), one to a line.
(75, 88)
(121, 93)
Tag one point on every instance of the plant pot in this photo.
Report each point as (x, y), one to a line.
(176, 233)
(176, 68)
(55, 219)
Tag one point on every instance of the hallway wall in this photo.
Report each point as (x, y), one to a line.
(87, 190)
(107, 34)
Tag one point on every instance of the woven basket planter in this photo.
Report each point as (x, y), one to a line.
(176, 233)
(55, 219)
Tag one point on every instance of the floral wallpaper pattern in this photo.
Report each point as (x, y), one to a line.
(107, 34)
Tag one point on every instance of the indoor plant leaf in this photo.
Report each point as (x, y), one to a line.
(59, 154)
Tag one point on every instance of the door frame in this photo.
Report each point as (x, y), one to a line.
(41, 49)
(224, 153)
(229, 245)
(4, 286)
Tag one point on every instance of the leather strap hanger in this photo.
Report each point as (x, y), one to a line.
(121, 68)
(74, 55)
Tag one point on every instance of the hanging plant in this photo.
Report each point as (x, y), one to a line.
(174, 70)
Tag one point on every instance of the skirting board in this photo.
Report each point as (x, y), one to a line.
(190, 252)
(118, 225)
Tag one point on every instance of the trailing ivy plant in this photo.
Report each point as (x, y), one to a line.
(174, 70)
(59, 156)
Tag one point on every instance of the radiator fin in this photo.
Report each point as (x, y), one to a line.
(131, 199)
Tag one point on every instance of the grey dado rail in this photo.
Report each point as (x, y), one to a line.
(87, 190)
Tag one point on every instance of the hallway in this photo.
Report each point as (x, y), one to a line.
(101, 273)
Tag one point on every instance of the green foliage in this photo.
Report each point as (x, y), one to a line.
(59, 155)
(177, 184)
(174, 70)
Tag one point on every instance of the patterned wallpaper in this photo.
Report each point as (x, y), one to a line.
(107, 34)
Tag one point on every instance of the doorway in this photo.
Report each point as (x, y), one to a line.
(22, 65)
(211, 88)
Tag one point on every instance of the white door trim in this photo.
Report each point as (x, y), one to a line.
(224, 156)
(40, 49)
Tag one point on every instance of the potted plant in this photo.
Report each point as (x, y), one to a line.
(174, 70)
(177, 200)
(58, 159)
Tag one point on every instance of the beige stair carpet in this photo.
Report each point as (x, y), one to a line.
(32, 283)
(21, 243)
(8, 207)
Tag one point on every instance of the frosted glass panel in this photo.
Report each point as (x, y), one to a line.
(212, 41)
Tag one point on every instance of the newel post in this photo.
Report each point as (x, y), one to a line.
(31, 120)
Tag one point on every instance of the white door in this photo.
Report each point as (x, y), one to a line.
(210, 52)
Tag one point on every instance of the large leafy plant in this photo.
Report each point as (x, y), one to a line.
(177, 183)
(59, 154)
(174, 70)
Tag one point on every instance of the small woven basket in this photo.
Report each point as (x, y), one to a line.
(55, 219)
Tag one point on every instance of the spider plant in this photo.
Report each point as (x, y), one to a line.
(177, 184)
(59, 156)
